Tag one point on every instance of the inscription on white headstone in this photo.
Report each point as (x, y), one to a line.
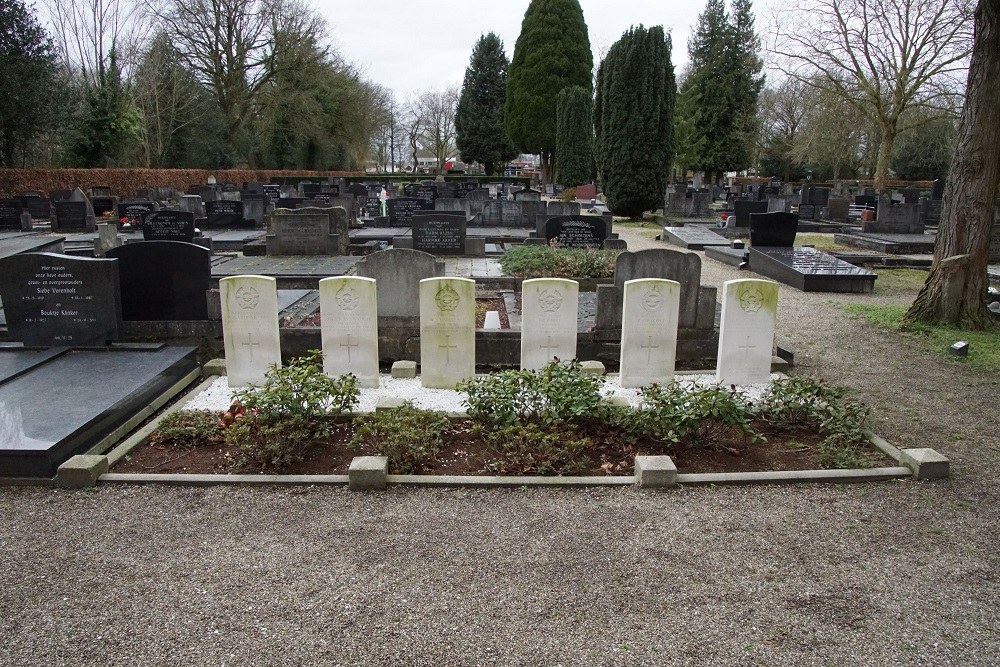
(349, 328)
(249, 327)
(548, 321)
(447, 331)
(746, 331)
(649, 331)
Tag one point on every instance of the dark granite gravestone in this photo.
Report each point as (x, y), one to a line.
(893, 218)
(498, 213)
(310, 190)
(773, 230)
(869, 201)
(54, 299)
(62, 402)
(693, 237)
(575, 231)
(39, 207)
(910, 195)
(70, 216)
(439, 234)
(272, 191)
(806, 211)
(426, 193)
(168, 226)
(838, 209)
(10, 214)
(810, 270)
(163, 280)
(134, 212)
(358, 190)
(937, 189)
(820, 197)
(742, 210)
(104, 207)
(400, 210)
(369, 207)
(226, 214)
(289, 202)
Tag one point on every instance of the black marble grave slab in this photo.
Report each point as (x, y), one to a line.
(168, 226)
(71, 216)
(15, 244)
(773, 230)
(400, 210)
(133, 213)
(10, 214)
(693, 237)
(575, 231)
(727, 255)
(226, 214)
(163, 280)
(13, 365)
(439, 234)
(810, 270)
(68, 403)
(54, 299)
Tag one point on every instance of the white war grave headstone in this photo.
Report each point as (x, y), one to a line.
(650, 315)
(349, 329)
(447, 332)
(249, 327)
(548, 321)
(746, 331)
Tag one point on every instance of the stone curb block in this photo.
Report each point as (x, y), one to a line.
(404, 369)
(368, 473)
(655, 472)
(81, 471)
(592, 368)
(214, 367)
(389, 403)
(926, 463)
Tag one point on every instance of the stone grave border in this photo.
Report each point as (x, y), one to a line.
(370, 473)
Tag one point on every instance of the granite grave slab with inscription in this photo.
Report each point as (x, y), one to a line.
(168, 226)
(693, 237)
(576, 231)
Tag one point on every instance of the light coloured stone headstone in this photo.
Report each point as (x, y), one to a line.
(548, 321)
(649, 331)
(107, 238)
(349, 328)
(447, 331)
(249, 327)
(746, 331)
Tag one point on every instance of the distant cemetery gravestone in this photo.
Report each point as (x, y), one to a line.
(572, 231)
(168, 226)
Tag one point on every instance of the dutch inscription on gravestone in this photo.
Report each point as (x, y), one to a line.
(576, 232)
(441, 235)
(168, 226)
(10, 214)
(225, 213)
(133, 213)
(401, 210)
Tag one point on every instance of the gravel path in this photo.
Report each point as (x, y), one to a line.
(900, 573)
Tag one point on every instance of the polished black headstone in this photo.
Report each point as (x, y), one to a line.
(400, 210)
(743, 208)
(71, 216)
(133, 213)
(439, 234)
(358, 190)
(810, 270)
(272, 191)
(289, 202)
(65, 401)
(54, 299)
(163, 280)
(575, 231)
(773, 230)
(226, 214)
(168, 226)
(369, 207)
(10, 214)
(39, 207)
(104, 207)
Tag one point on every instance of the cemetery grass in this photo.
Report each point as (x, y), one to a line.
(822, 242)
(984, 346)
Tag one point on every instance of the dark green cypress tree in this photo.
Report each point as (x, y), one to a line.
(552, 52)
(479, 121)
(747, 82)
(574, 136)
(636, 121)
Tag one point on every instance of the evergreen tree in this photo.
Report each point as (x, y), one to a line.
(108, 127)
(479, 123)
(635, 128)
(551, 53)
(28, 79)
(574, 136)
(725, 79)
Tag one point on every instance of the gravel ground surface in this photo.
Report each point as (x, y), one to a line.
(901, 573)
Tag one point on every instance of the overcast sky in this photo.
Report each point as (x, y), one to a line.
(412, 46)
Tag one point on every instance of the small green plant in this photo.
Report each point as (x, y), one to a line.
(275, 423)
(408, 436)
(559, 392)
(675, 413)
(544, 261)
(568, 195)
(185, 428)
(533, 449)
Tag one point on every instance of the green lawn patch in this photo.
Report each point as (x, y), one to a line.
(544, 262)
(819, 241)
(984, 346)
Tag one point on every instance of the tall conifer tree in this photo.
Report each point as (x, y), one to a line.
(575, 136)
(479, 122)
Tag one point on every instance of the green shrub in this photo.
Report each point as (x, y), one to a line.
(568, 195)
(188, 427)
(408, 436)
(544, 261)
(531, 449)
(559, 392)
(275, 442)
(674, 413)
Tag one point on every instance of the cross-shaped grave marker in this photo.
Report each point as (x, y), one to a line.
(447, 349)
(348, 345)
(250, 344)
(649, 349)
(746, 348)
(549, 346)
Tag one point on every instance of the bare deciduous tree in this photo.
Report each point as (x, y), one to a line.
(881, 56)
(438, 112)
(88, 30)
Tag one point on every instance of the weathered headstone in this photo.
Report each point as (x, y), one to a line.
(527, 194)
(894, 219)
(746, 331)
(562, 208)
(39, 207)
(168, 226)
(398, 273)
(294, 232)
(349, 328)
(838, 209)
(499, 213)
(163, 280)
(548, 321)
(447, 332)
(71, 216)
(249, 327)
(54, 299)
(649, 331)
(439, 234)
(452, 204)
(193, 205)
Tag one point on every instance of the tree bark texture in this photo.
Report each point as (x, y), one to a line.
(955, 290)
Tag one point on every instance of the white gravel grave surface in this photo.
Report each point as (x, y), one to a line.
(218, 396)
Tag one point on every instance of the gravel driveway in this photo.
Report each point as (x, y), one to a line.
(900, 573)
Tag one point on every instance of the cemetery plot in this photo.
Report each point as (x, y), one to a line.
(400, 211)
(70, 216)
(810, 270)
(893, 244)
(693, 237)
(60, 402)
(163, 280)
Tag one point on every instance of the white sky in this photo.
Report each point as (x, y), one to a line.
(413, 46)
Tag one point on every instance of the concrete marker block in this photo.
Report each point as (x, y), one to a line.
(925, 463)
(389, 403)
(214, 367)
(368, 473)
(592, 368)
(404, 369)
(655, 472)
(81, 471)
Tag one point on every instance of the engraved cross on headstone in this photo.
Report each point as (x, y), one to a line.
(447, 349)
(746, 348)
(348, 345)
(649, 349)
(250, 344)
(548, 347)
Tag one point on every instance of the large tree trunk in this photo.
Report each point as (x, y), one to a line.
(884, 155)
(954, 291)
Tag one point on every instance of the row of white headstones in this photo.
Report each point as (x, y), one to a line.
(349, 329)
